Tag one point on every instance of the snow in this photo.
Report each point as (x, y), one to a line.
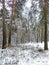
(25, 54)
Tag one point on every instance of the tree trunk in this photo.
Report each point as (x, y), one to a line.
(41, 34)
(37, 37)
(12, 18)
(45, 35)
(4, 26)
(9, 39)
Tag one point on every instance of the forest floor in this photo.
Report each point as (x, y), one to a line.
(25, 54)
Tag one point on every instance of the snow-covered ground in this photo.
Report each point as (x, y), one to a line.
(25, 54)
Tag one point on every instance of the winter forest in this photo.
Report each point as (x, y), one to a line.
(24, 32)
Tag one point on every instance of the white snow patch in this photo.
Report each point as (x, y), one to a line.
(24, 54)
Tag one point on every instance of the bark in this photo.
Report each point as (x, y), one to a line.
(9, 39)
(12, 18)
(37, 37)
(41, 35)
(45, 35)
(4, 26)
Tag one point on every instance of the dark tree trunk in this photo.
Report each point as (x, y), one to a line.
(12, 18)
(9, 39)
(4, 26)
(45, 35)
(37, 37)
(41, 34)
